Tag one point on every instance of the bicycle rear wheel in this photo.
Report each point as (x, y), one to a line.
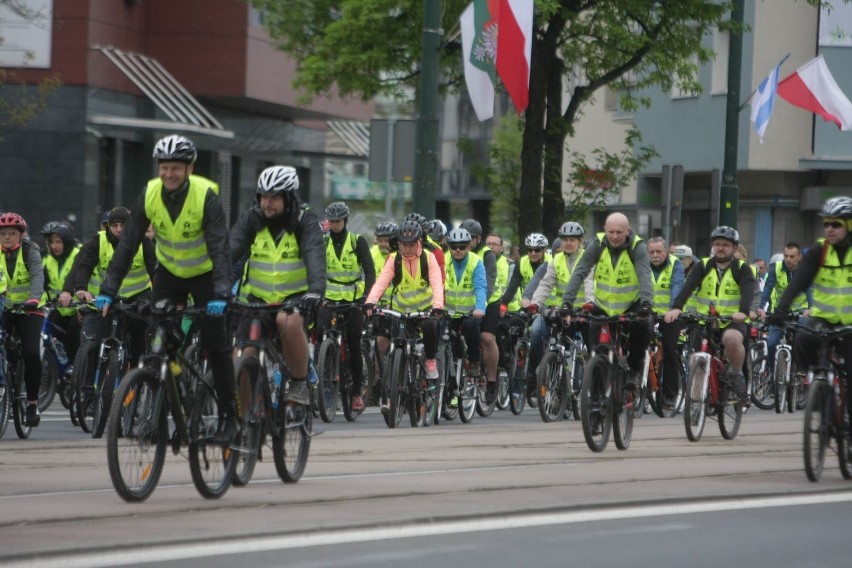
(103, 398)
(19, 403)
(328, 372)
(695, 407)
(552, 388)
(782, 380)
(502, 388)
(247, 373)
(817, 428)
(596, 403)
(518, 387)
(468, 393)
(211, 464)
(85, 366)
(626, 405)
(762, 386)
(844, 456)
(396, 384)
(483, 407)
(137, 436)
(292, 445)
(49, 378)
(418, 395)
(730, 411)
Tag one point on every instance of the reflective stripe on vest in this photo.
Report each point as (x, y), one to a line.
(460, 295)
(56, 277)
(345, 278)
(724, 294)
(616, 288)
(275, 271)
(181, 247)
(413, 293)
(564, 271)
(800, 302)
(832, 287)
(137, 279)
(663, 287)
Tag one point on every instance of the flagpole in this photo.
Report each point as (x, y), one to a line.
(745, 102)
(426, 155)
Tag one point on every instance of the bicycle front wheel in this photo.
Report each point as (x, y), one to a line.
(137, 435)
(418, 395)
(5, 410)
(695, 407)
(291, 448)
(211, 464)
(596, 403)
(552, 388)
(328, 373)
(468, 393)
(782, 380)
(19, 403)
(762, 386)
(103, 398)
(817, 428)
(626, 405)
(49, 378)
(396, 384)
(730, 411)
(247, 374)
(518, 387)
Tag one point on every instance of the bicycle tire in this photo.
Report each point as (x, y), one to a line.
(483, 407)
(85, 364)
(468, 393)
(520, 367)
(730, 413)
(762, 385)
(418, 395)
(105, 396)
(328, 373)
(577, 383)
(695, 409)
(396, 386)
(843, 456)
(552, 388)
(502, 388)
(246, 373)
(448, 412)
(137, 436)
(5, 411)
(210, 464)
(625, 408)
(782, 380)
(596, 403)
(19, 403)
(49, 378)
(817, 428)
(369, 384)
(290, 449)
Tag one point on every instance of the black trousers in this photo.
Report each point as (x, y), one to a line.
(672, 364)
(29, 331)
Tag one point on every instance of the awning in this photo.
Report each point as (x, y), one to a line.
(184, 112)
(355, 135)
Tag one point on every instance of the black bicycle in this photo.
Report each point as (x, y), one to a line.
(14, 400)
(138, 429)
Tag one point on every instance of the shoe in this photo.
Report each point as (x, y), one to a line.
(474, 369)
(357, 403)
(33, 416)
(298, 393)
(385, 408)
(226, 432)
(431, 369)
(490, 392)
(738, 383)
(668, 402)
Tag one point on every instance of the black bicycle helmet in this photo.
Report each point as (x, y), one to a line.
(840, 207)
(175, 148)
(436, 229)
(472, 226)
(458, 236)
(386, 229)
(336, 211)
(417, 218)
(725, 232)
(277, 179)
(410, 231)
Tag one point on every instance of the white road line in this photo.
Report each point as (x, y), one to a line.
(172, 552)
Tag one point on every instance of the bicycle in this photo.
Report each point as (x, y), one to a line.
(447, 399)
(761, 386)
(100, 366)
(556, 384)
(463, 387)
(825, 409)
(709, 390)
(166, 382)
(57, 371)
(790, 384)
(519, 385)
(607, 403)
(655, 391)
(335, 386)
(406, 388)
(14, 400)
(261, 386)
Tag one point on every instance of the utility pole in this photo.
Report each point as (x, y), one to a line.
(426, 157)
(729, 192)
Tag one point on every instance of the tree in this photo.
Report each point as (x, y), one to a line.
(20, 106)
(371, 47)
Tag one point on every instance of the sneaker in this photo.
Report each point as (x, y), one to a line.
(298, 393)
(668, 402)
(226, 432)
(491, 392)
(385, 410)
(33, 416)
(738, 383)
(357, 403)
(431, 369)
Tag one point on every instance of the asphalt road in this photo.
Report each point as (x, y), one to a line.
(502, 491)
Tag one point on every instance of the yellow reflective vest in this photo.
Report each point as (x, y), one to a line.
(724, 293)
(563, 275)
(616, 288)
(460, 295)
(345, 279)
(800, 302)
(275, 271)
(832, 287)
(663, 287)
(379, 259)
(413, 293)
(56, 276)
(137, 280)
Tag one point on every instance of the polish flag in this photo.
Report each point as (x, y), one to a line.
(813, 88)
(514, 49)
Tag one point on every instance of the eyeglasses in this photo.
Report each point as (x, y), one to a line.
(494, 244)
(833, 224)
(536, 250)
(458, 247)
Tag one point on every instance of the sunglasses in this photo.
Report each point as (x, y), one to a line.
(536, 250)
(833, 224)
(458, 247)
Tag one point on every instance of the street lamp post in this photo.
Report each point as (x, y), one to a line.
(426, 157)
(729, 191)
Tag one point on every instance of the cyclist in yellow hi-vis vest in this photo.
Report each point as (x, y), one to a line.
(192, 250)
(667, 271)
(62, 249)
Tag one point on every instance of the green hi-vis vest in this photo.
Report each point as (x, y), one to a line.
(800, 302)
(460, 297)
(563, 275)
(413, 294)
(663, 287)
(379, 259)
(203, 181)
(832, 287)
(616, 289)
(3, 284)
(724, 294)
(97, 277)
(181, 247)
(137, 279)
(275, 272)
(56, 277)
(503, 280)
(345, 279)
(499, 287)
(18, 287)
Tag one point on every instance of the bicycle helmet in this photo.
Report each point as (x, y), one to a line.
(118, 215)
(62, 231)
(840, 207)
(175, 148)
(536, 240)
(417, 218)
(13, 220)
(337, 211)
(436, 229)
(104, 219)
(277, 179)
(50, 227)
(386, 229)
(571, 229)
(472, 226)
(725, 232)
(458, 236)
(410, 231)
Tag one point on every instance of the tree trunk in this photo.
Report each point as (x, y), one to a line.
(553, 204)
(529, 212)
